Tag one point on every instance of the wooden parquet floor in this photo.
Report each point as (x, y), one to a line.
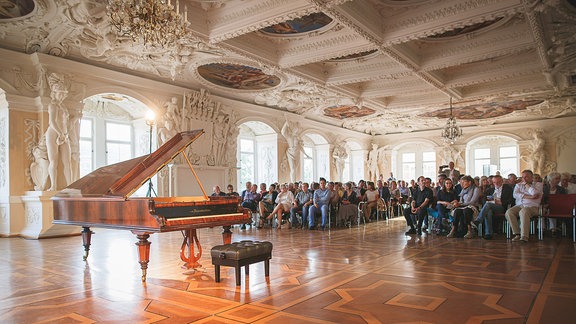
(366, 274)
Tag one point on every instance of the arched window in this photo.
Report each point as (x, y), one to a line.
(347, 170)
(257, 154)
(414, 160)
(112, 130)
(316, 161)
(488, 154)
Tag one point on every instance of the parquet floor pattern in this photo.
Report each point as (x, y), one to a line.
(367, 274)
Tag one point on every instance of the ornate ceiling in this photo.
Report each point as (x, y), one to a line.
(374, 66)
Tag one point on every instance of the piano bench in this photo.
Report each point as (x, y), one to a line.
(241, 254)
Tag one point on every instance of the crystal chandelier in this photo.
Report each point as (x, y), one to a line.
(451, 131)
(154, 22)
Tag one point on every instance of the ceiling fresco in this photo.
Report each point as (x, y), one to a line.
(10, 9)
(301, 25)
(348, 111)
(318, 59)
(483, 111)
(238, 77)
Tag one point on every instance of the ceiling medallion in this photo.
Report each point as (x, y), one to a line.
(301, 25)
(235, 76)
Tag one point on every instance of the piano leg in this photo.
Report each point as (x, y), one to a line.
(86, 238)
(143, 251)
(227, 235)
(187, 250)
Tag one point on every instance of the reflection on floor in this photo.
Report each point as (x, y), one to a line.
(367, 274)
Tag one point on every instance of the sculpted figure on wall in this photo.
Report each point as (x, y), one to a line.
(39, 165)
(339, 155)
(383, 165)
(373, 163)
(57, 136)
(537, 156)
(291, 132)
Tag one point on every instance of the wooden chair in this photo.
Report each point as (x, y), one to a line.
(559, 206)
(382, 209)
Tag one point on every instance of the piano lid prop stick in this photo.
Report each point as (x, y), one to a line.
(195, 175)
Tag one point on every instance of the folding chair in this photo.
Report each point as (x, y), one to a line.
(559, 206)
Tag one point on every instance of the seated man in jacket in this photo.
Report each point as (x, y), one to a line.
(498, 199)
(418, 207)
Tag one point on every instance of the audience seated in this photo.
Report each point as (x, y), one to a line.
(217, 192)
(301, 203)
(248, 188)
(565, 182)
(446, 199)
(371, 198)
(250, 200)
(348, 206)
(266, 204)
(418, 207)
(284, 201)
(466, 208)
(395, 197)
(552, 187)
(498, 199)
(321, 202)
(528, 195)
(230, 191)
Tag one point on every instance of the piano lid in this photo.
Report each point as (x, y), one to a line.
(123, 178)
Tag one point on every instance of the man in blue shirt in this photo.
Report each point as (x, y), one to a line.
(321, 203)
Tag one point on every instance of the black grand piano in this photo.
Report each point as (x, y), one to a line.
(102, 199)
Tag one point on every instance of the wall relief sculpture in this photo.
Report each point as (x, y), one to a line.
(200, 111)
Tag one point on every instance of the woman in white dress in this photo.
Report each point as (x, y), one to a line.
(372, 197)
(284, 202)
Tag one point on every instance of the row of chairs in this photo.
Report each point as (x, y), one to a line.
(559, 206)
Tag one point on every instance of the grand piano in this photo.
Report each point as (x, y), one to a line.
(102, 199)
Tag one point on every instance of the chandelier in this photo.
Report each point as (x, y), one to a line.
(154, 22)
(451, 131)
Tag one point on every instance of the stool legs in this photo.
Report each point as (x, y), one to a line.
(237, 273)
(217, 272)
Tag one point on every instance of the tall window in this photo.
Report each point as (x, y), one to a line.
(257, 154)
(429, 165)
(247, 165)
(482, 162)
(118, 142)
(489, 154)
(346, 171)
(508, 160)
(357, 158)
(408, 166)
(86, 146)
(414, 160)
(308, 168)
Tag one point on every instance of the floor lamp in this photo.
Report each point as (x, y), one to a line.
(150, 122)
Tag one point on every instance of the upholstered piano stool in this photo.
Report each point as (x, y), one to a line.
(241, 254)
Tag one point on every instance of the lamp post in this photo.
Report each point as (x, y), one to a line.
(150, 122)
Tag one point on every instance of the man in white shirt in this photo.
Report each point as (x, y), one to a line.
(528, 195)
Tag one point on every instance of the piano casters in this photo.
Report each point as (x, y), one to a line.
(187, 250)
(143, 251)
(86, 238)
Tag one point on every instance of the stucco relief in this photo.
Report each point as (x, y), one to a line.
(36, 152)
(199, 110)
(3, 151)
(32, 215)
